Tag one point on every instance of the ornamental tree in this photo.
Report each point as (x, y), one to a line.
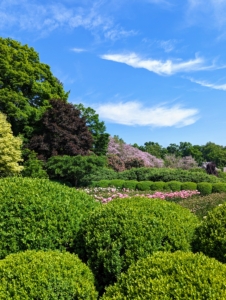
(130, 155)
(10, 149)
(61, 132)
(26, 86)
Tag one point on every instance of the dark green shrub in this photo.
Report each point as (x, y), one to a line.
(211, 234)
(173, 186)
(103, 183)
(158, 186)
(35, 275)
(219, 188)
(102, 174)
(130, 184)
(165, 276)
(188, 186)
(124, 230)
(118, 183)
(204, 188)
(128, 174)
(144, 185)
(40, 214)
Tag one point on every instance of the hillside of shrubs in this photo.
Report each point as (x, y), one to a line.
(83, 215)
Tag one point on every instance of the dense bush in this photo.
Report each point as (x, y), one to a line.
(173, 186)
(219, 187)
(40, 214)
(124, 230)
(211, 234)
(204, 188)
(35, 275)
(118, 183)
(158, 186)
(165, 276)
(103, 183)
(130, 184)
(144, 185)
(188, 186)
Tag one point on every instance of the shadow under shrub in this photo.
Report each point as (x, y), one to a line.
(176, 275)
(124, 230)
(35, 275)
(211, 234)
(40, 214)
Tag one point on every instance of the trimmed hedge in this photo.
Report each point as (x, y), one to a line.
(173, 186)
(158, 186)
(43, 275)
(103, 183)
(204, 188)
(130, 184)
(219, 188)
(144, 185)
(124, 230)
(118, 183)
(40, 214)
(211, 234)
(189, 186)
(176, 275)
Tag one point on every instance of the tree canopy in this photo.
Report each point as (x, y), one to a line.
(26, 86)
(61, 131)
(10, 149)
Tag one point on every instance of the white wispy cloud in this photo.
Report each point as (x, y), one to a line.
(134, 113)
(209, 85)
(78, 50)
(159, 67)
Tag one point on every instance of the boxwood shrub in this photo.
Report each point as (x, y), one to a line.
(188, 186)
(173, 186)
(176, 275)
(158, 186)
(219, 187)
(40, 214)
(211, 234)
(130, 184)
(118, 183)
(32, 275)
(144, 185)
(103, 183)
(117, 234)
(204, 188)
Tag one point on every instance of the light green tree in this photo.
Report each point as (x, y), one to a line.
(10, 149)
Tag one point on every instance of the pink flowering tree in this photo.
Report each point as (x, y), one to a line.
(186, 162)
(131, 156)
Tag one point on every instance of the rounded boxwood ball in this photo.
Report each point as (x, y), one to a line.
(166, 276)
(40, 214)
(205, 188)
(32, 275)
(124, 230)
(211, 234)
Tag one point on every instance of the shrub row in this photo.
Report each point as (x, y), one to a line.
(156, 174)
(205, 188)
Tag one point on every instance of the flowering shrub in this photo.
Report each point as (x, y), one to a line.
(131, 156)
(186, 162)
(106, 195)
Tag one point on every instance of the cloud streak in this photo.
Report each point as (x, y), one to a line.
(159, 67)
(209, 85)
(134, 113)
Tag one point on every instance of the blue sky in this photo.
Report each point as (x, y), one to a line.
(154, 70)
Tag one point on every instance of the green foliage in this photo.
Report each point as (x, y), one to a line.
(200, 206)
(26, 86)
(74, 169)
(10, 149)
(118, 183)
(166, 276)
(211, 234)
(173, 186)
(124, 230)
(102, 173)
(144, 185)
(189, 186)
(158, 186)
(128, 174)
(43, 275)
(103, 183)
(40, 214)
(219, 187)
(204, 188)
(33, 167)
(130, 184)
(97, 129)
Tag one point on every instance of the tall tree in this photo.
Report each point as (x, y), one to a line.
(61, 132)
(10, 149)
(97, 129)
(26, 86)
